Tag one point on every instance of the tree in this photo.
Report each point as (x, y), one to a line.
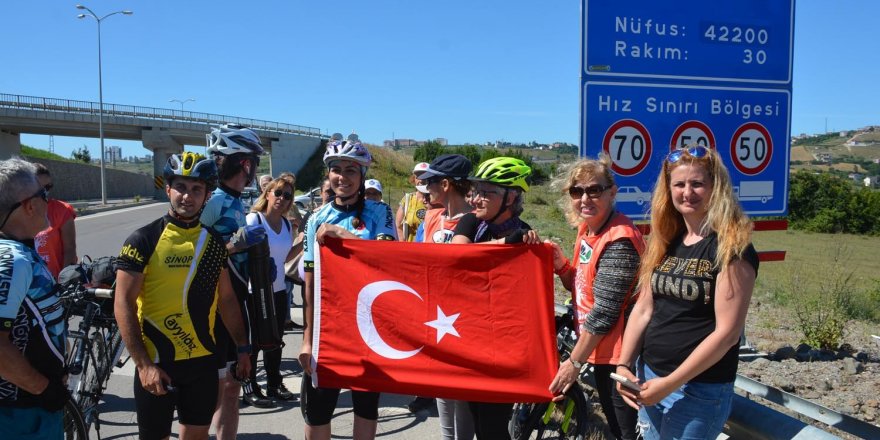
(82, 154)
(428, 151)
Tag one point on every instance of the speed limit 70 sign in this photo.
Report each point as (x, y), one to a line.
(628, 144)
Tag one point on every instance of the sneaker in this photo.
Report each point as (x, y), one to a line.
(291, 326)
(420, 404)
(280, 392)
(257, 400)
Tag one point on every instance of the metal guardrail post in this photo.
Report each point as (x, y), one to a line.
(807, 408)
(751, 420)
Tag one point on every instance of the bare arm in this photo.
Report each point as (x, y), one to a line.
(230, 311)
(561, 266)
(305, 354)
(461, 239)
(16, 368)
(333, 231)
(128, 287)
(733, 291)
(398, 220)
(632, 341)
(68, 242)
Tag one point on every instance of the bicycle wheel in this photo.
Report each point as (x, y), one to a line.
(74, 425)
(92, 377)
(566, 419)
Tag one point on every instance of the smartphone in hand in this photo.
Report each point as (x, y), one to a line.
(634, 387)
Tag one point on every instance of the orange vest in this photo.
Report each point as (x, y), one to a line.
(587, 250)
(48, 242)
(437, 228)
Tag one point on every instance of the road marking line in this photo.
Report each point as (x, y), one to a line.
(115, 211)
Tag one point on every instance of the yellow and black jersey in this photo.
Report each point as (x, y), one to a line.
(181, 263)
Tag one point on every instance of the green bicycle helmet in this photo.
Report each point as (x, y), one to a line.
(504, 171)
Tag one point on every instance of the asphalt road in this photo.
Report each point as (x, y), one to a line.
(103, 233)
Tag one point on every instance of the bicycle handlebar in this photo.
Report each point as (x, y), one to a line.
(100, 293)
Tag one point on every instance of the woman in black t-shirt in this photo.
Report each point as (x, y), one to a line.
(696, 282)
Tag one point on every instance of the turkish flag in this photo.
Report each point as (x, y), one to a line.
(467, 322)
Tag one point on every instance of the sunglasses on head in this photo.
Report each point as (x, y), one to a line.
(286, 195)
(697, 152)
(592, 191)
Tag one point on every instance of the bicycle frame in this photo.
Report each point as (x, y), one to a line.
(97, 349)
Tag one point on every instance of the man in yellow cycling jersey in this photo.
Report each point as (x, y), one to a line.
(172, 280)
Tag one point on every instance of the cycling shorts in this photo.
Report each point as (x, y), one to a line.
(30, 424)
(318, 404)
(227, 351)
(194, 397)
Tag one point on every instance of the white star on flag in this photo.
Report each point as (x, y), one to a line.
(443, 324)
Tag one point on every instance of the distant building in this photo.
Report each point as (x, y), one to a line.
(113, 154)
(871, 181)
(404, 143)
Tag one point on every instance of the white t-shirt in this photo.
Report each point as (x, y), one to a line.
(279, 246)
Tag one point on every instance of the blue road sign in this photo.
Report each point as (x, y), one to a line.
(659, 74)
(637, 125)
(741, 40)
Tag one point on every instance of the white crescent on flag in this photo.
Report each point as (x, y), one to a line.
(367, 328)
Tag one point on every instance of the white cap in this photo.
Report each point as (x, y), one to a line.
(373, 183)
(420, 168)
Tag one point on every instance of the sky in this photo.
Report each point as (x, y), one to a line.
(470, 71)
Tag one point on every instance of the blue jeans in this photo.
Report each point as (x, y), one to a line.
(696, 410)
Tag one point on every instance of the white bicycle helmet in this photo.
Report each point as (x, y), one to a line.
(230, 139)
(352, 150)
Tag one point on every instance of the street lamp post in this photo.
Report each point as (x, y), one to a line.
(182, 102)
(100, 92)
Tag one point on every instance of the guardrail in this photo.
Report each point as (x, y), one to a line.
(162, 114)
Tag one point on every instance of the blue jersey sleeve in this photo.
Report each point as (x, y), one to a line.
(384, 220)
(420, 233)
(213, 211)
(309, 244)
(15, 278)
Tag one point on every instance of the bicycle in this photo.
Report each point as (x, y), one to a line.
(96, 347)
(566, 419)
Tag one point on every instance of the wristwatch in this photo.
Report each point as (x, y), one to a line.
(576, 364)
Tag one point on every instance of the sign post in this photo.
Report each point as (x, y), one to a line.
(658, 75)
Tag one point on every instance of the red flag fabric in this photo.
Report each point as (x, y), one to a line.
(467, 322)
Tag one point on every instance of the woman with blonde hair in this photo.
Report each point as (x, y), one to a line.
(696, 280)
(271, 210)
(602, 281)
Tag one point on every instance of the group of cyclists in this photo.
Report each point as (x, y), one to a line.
(665, 314)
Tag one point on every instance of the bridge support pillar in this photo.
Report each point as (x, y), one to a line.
(10, 144)
(291, 152)
(162, 145)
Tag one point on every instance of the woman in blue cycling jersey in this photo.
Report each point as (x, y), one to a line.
(349, 215)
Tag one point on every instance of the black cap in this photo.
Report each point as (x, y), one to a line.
(454, 166)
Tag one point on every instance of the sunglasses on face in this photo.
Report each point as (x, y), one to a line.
(42, 193)
(49, 186)
(697, 152)
(592, 191)
(286, 195)
(484, 193)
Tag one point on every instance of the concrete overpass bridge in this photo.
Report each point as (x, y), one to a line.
(162, 131)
